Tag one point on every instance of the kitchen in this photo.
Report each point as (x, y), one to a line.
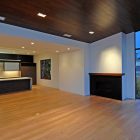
(17, 72)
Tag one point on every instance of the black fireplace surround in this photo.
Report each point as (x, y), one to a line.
(106, 85)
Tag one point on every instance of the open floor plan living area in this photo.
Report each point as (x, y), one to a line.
(69, 70)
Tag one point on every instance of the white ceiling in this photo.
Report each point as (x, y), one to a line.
(12, 44)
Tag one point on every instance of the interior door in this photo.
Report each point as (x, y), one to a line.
(29, 71)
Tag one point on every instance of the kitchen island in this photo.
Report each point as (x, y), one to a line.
(15, 84)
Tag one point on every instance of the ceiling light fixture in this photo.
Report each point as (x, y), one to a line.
(41, 15)
(37, 114)
(57, 51)
(2, 18)
(67, 35)
(23, 47)
(68, 49)
(91, 32)
(32, 43)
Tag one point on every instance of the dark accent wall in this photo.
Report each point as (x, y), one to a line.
(106, 85)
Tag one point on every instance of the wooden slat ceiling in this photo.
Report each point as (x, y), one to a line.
(75, 17)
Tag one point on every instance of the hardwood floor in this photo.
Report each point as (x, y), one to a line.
(50, 114)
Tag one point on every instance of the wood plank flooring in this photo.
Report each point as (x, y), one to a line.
(50, 114)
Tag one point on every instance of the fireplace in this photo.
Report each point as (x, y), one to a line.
(106, 85)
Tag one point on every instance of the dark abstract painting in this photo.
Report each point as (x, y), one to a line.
(45, 69)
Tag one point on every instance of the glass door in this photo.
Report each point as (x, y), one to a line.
(138, 73)
(137, 52)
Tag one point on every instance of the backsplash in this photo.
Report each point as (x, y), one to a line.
(8, 74)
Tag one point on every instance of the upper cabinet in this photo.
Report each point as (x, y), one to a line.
(22, 58)
(25, 58)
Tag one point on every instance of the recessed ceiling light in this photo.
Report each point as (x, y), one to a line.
(68, 49)
(41, 15)
(67, 35)
(2, 18)
(37, 114)
(91, 32)
(22, 47)
(32, 43)
(57, 51)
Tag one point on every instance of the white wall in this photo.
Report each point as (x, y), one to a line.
(106, 55)
(54, 70)
(36, 35)
(86, 55)
(116, 54)
(67, 71)
(128, 59)
(71, 72)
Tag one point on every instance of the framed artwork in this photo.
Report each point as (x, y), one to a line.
(45, 69)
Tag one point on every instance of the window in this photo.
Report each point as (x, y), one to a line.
(137, 52)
